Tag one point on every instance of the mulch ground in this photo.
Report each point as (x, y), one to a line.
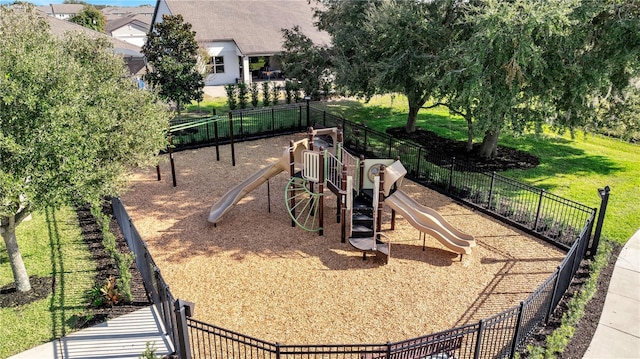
(257, 275)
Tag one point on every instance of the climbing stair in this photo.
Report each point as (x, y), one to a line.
(362, 218)
(363, 228)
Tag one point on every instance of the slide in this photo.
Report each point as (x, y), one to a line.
(234, 195)
(429, 221)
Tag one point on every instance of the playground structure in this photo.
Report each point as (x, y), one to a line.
(361, 186)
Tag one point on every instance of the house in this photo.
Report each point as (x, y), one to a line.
(116, 12)
(241, 36)
(130, 53)
(132, 28)
(61, 11)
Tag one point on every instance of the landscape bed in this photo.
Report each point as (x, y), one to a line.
(257, 275)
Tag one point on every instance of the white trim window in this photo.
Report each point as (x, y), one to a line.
(216, 64)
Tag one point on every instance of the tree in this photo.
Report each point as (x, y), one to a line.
(305, 61)
(90, 17)
(72, 123)
(388, 46)
(172, 51)
(526, 64)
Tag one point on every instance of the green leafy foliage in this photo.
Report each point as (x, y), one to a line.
(72, 123)
(254, 92)
(231, 91)
(172, 52)
(90, 17)
(516, 65)
(266, 94)
(305, 61)
(149, 352)
(243, 95)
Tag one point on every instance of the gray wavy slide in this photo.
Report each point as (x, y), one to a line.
(428, 221)
(235, 194)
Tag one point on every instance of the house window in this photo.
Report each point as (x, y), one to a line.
(216, 64)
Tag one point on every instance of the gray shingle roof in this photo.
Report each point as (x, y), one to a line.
(142, 21)
(254, 25)
(60, 27)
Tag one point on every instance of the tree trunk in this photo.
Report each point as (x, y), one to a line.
(489, 146)
(467, 116)
(20, 276)
(411, 120)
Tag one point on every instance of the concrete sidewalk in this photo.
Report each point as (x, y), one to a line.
(124, 338)
(618, 332)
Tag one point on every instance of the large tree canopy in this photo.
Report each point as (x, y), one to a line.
(517, 64)
(389, 46)
(72, 123)
(172, 51)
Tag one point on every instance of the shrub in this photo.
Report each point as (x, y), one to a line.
(266, 94)
(288, 91)
(276, 93)
(254, 94)
(231, 96)
(243, 95)
(110, 292)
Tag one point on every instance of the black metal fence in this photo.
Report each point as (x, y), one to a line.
(553, 218)
(561, 221)
(242, 125)
(154, 283)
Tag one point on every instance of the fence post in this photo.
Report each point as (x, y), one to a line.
(183, 347)
(208, 133)
(321, 190)
(478, 349)
(173, 168)
(418, 162)
(604, 199)
(553, 296)
(233, 151)
(300, 117)
(277, 350)
(535, 223)
(390, 145)
(453, 165)
(493, 181)
(273, 122)
(215, 134)
(388, 349)
(514, 345)
(307, 100)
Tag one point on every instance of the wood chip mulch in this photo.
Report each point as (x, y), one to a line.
(257, 275)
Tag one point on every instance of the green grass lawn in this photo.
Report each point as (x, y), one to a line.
(51, 245)
(573, 168)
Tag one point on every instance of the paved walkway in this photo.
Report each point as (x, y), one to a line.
(618, 332)
(123, 338)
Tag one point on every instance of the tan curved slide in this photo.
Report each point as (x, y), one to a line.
(234, 195)
(429, 221)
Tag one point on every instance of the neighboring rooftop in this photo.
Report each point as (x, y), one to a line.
(131, 53)
(141, 21)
